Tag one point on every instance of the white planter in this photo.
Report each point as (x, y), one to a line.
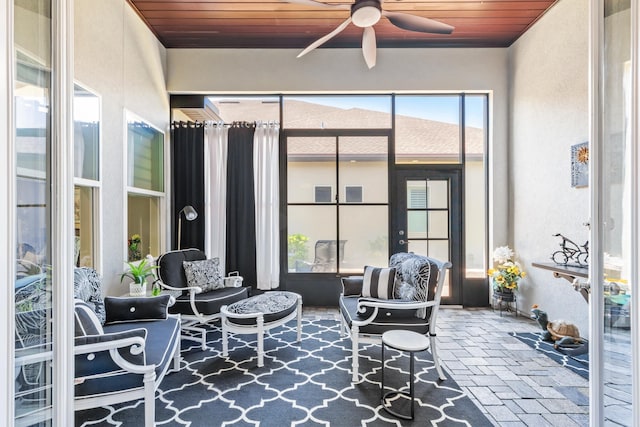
(137, 289)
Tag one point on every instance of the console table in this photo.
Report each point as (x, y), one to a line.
(569, 273)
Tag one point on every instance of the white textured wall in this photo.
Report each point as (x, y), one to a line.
(343, 70)
(548, 114)
(121, 60)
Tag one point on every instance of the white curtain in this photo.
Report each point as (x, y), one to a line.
(265, 166)
(215, 199)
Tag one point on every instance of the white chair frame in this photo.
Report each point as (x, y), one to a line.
(364, 304)
(151, 382)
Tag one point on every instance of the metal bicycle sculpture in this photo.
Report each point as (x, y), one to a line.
(571, 252)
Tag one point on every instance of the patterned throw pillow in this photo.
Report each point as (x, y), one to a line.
(378, 282)
(205, 274)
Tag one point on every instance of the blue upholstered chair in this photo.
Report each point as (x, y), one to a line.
(411, 303)
(196, 304)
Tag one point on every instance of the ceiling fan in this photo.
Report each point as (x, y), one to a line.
(367, 13)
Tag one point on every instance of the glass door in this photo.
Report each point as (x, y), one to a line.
(615, 217)
(33, 288)
(428, 221)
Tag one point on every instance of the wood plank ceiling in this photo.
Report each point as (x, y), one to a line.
(278, 24)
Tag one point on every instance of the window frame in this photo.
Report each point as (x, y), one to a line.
(321, 187)
(96, 188)
(162, 196)
(346, 193)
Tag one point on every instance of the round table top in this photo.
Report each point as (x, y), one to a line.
(405, 340)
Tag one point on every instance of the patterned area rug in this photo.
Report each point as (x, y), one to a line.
(301, 384)
(578, 364)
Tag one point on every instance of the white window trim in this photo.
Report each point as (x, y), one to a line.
(361, 187)
(161, 195)
(96, 186)
(315, 189)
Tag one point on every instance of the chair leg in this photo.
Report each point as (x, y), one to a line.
(436, 359)
(299, 319)
(260, 322)
(204, 339)
(225, 339)
(354, 353)
(149, 400)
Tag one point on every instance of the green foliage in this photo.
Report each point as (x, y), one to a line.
(297, 248)
(138, 271)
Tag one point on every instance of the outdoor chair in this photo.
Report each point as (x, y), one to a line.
(405, 296)
(199, 290)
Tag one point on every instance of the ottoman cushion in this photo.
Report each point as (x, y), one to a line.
(274, 305)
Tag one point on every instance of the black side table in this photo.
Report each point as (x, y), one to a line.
(402, 341)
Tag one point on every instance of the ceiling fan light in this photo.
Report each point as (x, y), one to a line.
(366, 13)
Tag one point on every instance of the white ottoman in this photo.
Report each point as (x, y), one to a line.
(258, 314)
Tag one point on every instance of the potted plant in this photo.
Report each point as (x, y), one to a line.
(138, 271)
(506, 274)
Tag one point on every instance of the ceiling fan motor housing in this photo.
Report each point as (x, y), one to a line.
(366, 13)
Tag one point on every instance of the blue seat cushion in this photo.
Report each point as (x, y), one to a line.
(210, 302)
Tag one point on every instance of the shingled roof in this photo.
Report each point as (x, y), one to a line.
(415, 137)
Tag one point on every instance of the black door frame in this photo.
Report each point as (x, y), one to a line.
(318, 288)
(398, 218)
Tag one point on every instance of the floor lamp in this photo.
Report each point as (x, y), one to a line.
(189, 214)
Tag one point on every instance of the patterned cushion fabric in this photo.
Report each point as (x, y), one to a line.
(86, 321)
(378, 282)
(205, 274)
(274, 305)
(87, 286)
(419, 277)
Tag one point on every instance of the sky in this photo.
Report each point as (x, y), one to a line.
(442, 108)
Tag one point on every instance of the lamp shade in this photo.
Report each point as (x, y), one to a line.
(189, 213)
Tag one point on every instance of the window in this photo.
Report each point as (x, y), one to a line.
(145, 198)
(322, 194)
(475, 195)
(86, 145)
(353, 193)
(337, 233)
(336, 112)
(428, 129)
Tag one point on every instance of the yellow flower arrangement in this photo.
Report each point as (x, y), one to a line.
(506, 274)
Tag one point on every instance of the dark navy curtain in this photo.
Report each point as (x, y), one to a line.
(241, 228)
(187, 182)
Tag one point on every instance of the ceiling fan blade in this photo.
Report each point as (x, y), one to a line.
(369, 46)
(324, 39)
(318, 4)
(417, 23)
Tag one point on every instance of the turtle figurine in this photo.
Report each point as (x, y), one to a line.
(564, 335)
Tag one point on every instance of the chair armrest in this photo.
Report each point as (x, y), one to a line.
(124, 349)
(190, 289)
(392, 304)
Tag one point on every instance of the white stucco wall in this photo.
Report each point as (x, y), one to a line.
(549, 113)
(118, 58)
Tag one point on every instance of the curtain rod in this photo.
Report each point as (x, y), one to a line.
(211, 123)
